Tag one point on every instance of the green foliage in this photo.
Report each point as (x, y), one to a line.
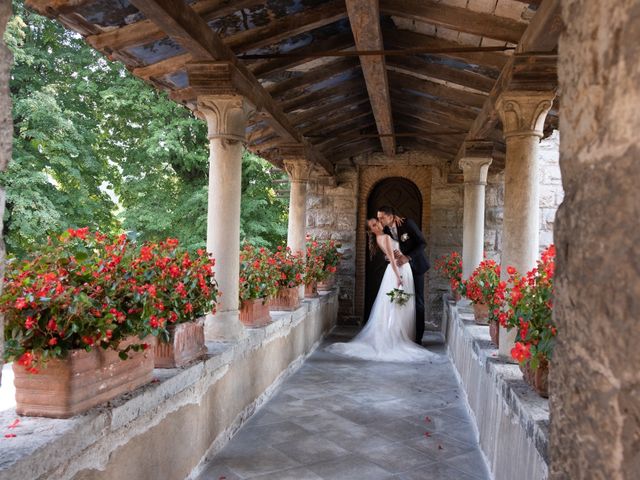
(94, 146)
(263, 220)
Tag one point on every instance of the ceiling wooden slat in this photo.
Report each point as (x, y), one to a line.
(456, 18)
(407, 39)
(410, 82)
(364, 16)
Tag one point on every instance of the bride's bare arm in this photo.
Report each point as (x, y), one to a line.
(384, 242)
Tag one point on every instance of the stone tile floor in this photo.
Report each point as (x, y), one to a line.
(337, 418)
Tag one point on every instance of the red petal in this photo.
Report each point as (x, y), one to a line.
(10, 435)
(427, 419)
(14, 424)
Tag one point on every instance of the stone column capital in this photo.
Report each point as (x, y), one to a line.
(298, 169)
(475, 169)
(523, 112)
(226, 116)
(475, 162)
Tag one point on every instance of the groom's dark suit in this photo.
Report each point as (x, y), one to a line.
(412, 244)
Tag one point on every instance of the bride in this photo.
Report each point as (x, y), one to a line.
(388, 335)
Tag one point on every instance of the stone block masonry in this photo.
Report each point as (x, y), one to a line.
(167, 430)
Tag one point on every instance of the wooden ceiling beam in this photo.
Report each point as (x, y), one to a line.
(465, 78)
(435, 105)
(289, 88)
(307, 100)
(541, 41)
(358, 148)
(407, 39)
(183, 24)
(328, 109)
(337, 140)
(433, 89)
(146, 31)
(364, 17)
(456, 18)
(265, 68)
(336, 121)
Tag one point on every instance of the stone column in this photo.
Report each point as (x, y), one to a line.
(475, 166)
(298, 168)
(226, 117)
(523, 114)
(6, 139)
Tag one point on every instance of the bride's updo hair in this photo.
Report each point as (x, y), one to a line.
(371, 238)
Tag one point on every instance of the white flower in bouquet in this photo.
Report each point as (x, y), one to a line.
(399, 296)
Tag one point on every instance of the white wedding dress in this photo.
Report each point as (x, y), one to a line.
(387, 336)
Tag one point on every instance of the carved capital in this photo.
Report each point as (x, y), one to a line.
(523, 112)
(226, 116)
(477, 157)
(299, 169)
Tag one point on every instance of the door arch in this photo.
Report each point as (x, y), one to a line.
(404, 196)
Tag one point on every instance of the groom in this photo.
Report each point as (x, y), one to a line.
(412, 245)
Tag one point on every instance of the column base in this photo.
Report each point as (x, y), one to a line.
(224, 326)
(507, 342)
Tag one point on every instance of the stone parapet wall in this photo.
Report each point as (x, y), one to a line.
(167, 430)
(512, 420)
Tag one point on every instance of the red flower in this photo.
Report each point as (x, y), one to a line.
(52, 325)
(521, 352)
(21, 303)
(29, 323)
(53, 341)
(26, 359)
(511, 270)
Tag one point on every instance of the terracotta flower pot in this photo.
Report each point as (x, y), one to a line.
(540, 379)
(327, 284)
(311, 290)
(494, 332)
(481, 313)
(286, 299)
(255, 312)
(70, 386)
(186, 344)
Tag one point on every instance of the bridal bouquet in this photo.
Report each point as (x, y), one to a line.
(399, 296)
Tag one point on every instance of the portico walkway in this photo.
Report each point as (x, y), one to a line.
(345, 419)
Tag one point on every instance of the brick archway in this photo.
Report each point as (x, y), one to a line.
(369, 177)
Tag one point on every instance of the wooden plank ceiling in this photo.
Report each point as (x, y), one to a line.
(302, 63)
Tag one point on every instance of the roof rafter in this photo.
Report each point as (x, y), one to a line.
(364, 16)
(183, 24)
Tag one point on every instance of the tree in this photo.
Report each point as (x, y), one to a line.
(94, 146)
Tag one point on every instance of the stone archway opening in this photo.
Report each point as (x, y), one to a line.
(405, 197)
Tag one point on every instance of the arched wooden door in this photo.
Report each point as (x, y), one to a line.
(404, 196)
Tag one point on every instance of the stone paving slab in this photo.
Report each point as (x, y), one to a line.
(343, 419)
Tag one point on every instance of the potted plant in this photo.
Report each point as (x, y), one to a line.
(331, 257)
(530, 306)
(314, 267)
(176, 289)
(290, 270)
(258, 282)
(450, 266)
(72, 325)
(481, 288)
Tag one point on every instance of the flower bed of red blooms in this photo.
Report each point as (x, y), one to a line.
(528, 308)
(322, 258)
(484, 286)
(450, 266)
(290, 268)
(84, 290)
(258, 273)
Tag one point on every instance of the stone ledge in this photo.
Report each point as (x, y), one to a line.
(512, 420)
(203, 400)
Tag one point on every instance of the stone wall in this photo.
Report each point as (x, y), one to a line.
(445, 236)
(595, 379)
(331, 214)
